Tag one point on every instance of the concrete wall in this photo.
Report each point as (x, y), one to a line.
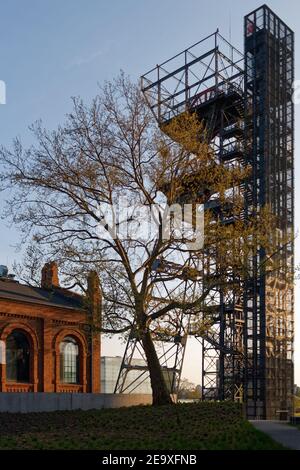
(35, 402)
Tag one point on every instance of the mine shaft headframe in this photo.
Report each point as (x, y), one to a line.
(210, 70)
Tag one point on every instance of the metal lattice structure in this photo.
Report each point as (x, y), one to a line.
(245, 102)
(269, 75)
(170, 349)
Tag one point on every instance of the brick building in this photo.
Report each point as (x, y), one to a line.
(46, 339)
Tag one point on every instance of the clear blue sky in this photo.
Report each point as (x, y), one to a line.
(51, 50)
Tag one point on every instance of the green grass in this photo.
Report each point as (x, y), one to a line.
(211, 426)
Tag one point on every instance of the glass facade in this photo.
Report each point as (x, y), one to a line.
(110, 368)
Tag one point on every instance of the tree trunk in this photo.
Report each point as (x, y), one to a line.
(161, 395)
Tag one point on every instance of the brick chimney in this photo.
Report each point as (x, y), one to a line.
(94, 296)
(50, 276)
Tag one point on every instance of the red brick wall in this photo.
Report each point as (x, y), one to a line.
(45, 328)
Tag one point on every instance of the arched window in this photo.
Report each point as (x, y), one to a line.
(69, 361)
(18, 356)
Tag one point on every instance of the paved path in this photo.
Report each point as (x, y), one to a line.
(287, 435)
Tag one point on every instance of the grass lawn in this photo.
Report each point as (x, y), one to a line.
(210, 426)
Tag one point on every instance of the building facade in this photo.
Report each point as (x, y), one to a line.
(134, 383)
(46, 338)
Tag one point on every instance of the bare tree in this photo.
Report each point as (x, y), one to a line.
(66, 192)
(186, 388)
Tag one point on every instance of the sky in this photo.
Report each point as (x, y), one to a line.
(52, 50)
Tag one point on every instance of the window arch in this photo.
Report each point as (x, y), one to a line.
(69, 361)
(18, 357)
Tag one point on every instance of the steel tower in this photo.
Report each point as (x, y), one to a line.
(269, 133)
(245, 101)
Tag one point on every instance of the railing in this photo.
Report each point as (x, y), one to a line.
(69, 388)
(193, 77)
(19, 388)
(233, 148)
(205, 96)
(213, 92)
(24, 388)
(237, 126)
